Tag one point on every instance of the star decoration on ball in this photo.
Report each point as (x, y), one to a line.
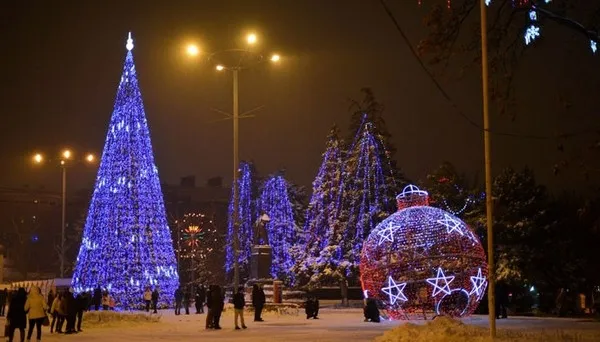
(395, 291)
(440, 278)
(387, 233)
(451, 224)
(478, 284)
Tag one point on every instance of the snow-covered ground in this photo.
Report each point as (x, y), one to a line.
(335, 325)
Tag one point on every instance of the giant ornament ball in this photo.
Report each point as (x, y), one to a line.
(422, 262)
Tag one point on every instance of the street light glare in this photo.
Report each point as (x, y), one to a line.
(38, 158)
(66, 154)
(251, 38)
(193, 50)
(90, 158)
(220, 67)
(275, 58)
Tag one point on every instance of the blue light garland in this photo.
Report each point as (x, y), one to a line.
(126, 244)
(275, 202)
(246, 216)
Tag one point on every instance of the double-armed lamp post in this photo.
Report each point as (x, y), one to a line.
(235, 60)
(65, 160)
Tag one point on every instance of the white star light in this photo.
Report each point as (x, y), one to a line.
(439, 278)
(478, 284)
(389, 290)
(533, 15)
(531, 34)
(387, 233)
(451, 224)
(129, 44)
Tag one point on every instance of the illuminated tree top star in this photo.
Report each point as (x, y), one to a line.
(451, 224)
(387, 233)
(397, 288)
(478, 284)
(435, 282)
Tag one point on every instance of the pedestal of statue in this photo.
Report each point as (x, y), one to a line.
(260, 262)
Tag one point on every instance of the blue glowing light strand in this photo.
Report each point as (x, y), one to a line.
(369, 197)
(246, 217)
(275, 202)
(126, 244)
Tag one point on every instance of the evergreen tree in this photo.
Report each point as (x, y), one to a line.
(321, 227)
(126, 244)
(247, 215)
(275, 202)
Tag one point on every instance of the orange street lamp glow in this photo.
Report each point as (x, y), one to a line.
(193, 50)
(275, 58)
(251, 38)
(38, 158)
(90, 158)
(66, 154)
(220, 67)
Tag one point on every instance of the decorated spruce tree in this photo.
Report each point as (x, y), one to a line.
(126, 244)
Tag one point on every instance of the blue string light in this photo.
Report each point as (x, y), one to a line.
(275, 202)
(126, 244)
(246, 216)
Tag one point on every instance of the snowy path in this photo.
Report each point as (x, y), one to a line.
(334, 325)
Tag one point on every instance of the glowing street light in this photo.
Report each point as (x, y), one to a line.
(66, 154)
(251, 38)
(220, 67)
(90, 158)
(275, 58)
(193, 50)
(38, 158)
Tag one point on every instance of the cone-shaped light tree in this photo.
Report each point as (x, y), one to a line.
(126, 244)
(275, 202)
(246, 215)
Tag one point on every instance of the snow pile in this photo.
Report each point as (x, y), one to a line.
(95, 318)
(450, 330)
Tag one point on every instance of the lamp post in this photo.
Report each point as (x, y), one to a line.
(65, 157)
(239, 59)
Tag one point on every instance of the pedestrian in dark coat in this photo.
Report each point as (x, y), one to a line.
(216, 305)
(97, 298)
(3, 298)
(200, 298)
(82, 303)
(50, 300)
(371, 311)
(312, 307)
(238, 304)
(155, 300)
(258, 301)
(209, 315)
(178, 299)
(16, 317)
(71, 312)
(187, 299)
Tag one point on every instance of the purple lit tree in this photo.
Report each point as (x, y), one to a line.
(247, 215)
(126, 244)
(318, 261)
(275, 202)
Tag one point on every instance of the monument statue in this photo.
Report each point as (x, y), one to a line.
(261, 237)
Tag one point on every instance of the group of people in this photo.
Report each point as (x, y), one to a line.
(32, 308)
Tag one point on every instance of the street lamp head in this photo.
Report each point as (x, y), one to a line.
(38, 158)
(193, 50)
(66, 154)
(90, 158)
(251, 38)
(220, 67)
(275, 58)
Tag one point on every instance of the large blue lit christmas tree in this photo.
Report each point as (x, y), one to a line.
(275, 202)
(127, 243)
(246, 215)
(323, 226)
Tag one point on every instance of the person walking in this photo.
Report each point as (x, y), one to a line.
(3, 298)
(209, 314)
(217, 304)
(155, 296)
(147, 298)
(187, 298)
(36, 307)
(238, 304)
(63, 310)
(200, 298)
(82, 305)
(71, 311)
(258, 301)
(50, 300)
(97, 300)
(16, 316)
(178, 299)
(55, 311)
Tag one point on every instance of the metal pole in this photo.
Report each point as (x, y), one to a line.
(489, 202)
(64, 211)
(236, 270)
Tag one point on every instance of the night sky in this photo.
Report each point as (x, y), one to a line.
(61, 62)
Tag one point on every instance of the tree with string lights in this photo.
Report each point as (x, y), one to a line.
(247, 214)
(282, 229)
(126, 244)
(198, 247)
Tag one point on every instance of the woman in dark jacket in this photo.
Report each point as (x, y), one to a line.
(258, 301)
(216, 305)
(17, 318)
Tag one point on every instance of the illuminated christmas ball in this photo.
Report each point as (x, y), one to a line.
(423, 262)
